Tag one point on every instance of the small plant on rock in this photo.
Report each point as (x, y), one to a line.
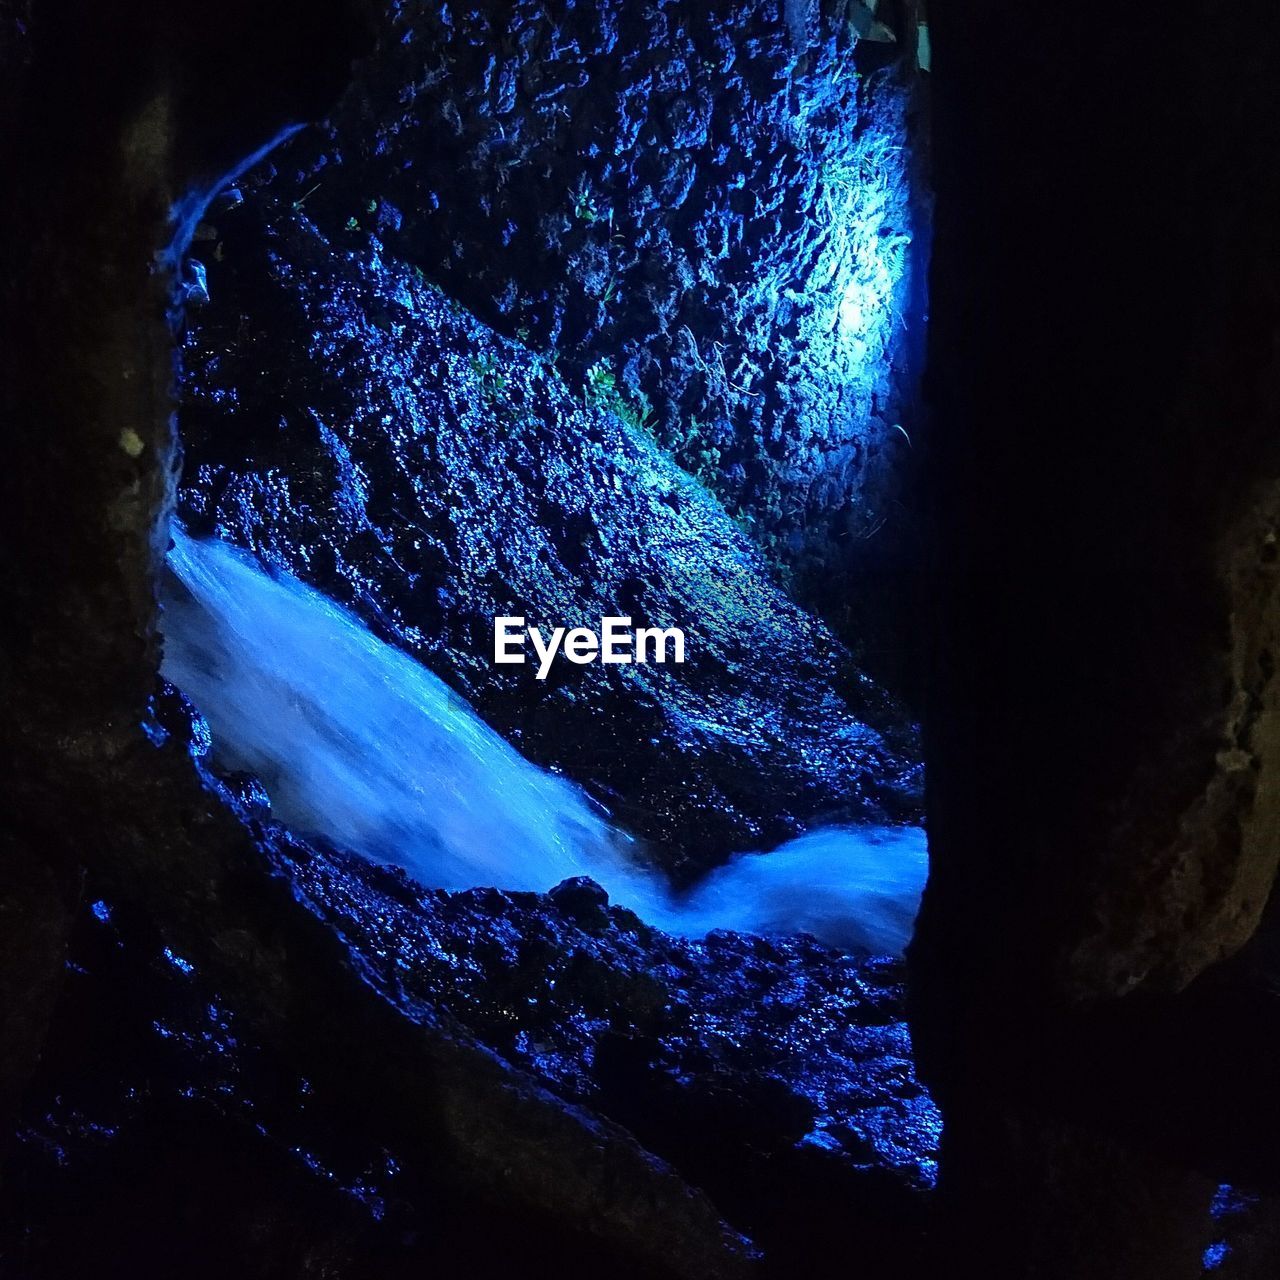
(490, 375)
(602, 390)
(584, 204)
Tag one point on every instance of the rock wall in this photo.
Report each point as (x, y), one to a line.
(717, 209)
(100, 149)
(347, 421)
(107, 149)
(1104, 710)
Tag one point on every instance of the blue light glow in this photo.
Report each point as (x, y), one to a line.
(1228, 1201)
(183, 966)
(872, 262)
(865, 269)
(1216, 1254)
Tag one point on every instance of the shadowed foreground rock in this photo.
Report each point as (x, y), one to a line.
(108, 117)
(1104, 732)
(797, 1125)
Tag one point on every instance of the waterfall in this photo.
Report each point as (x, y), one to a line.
(357, 742)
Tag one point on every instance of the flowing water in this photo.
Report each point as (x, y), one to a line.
(357, 742)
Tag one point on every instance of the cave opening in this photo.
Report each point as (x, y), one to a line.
(574, 350)
(644, 340)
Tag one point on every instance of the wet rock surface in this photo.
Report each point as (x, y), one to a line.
(714, 205)
(220, 1076)
(803, 1047)
(775, 1076)
(348, 422)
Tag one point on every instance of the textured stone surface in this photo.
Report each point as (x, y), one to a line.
(105, 149)
(1101, 739)
(713, 202)
(345, 420)
(776, 1077)
(213, 1029)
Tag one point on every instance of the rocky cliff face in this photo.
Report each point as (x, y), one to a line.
(447, 371)
(347, 421)
(715, 206)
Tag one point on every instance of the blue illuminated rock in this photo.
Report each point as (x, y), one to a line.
(433, 476)
(716, 206)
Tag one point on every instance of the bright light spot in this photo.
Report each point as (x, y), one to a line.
(1215, 1255)
(183, 966)
(867, 204)
(852, 313)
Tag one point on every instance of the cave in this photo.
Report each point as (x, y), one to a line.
(639, 636)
